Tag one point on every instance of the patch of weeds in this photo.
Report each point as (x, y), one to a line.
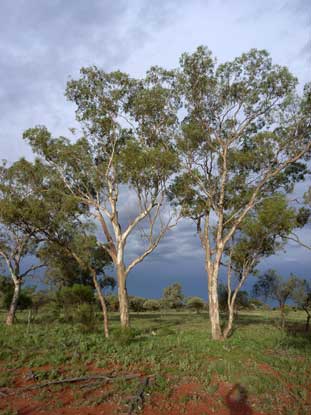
(42, 375)
(124, 336)
(125, 387)
(6, 379)
(165, 331)
(193, 397)
(161, 385)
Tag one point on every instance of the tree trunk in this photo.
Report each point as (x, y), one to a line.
(14, 302)
(102, 303)
(123, 297)
(308, 321)
(228, 329)
(282, 307)
(213, 302)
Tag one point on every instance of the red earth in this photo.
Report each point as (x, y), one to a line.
(74, 399)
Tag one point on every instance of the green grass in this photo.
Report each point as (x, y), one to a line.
(181, 350)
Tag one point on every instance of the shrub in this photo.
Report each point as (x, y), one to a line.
(124, 336)
(75, 295)
(85, 317)
(112, 302)
(152, 305)
(24, 300)
(173, 296)
(136, 304)
(195, 303)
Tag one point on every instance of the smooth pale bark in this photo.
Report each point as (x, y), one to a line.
(102, 303)
(12, 310)
(123, 297)
(233, 296)
(228, 329)
(213, 303)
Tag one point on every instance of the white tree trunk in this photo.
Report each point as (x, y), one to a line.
(102, 303)
(213, 303)
(12, 310)
(123, 297)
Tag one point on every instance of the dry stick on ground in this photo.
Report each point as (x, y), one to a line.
(104, 379)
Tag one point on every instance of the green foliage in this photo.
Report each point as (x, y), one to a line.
(76, 295)
(84, 315)
(6, 293)
(173, 296)
(152, 305)
(243, 104)
(124, 336)
(112, 302)
(302, 297)
(271, 285)
(256, 304)
(195, 303)
(24, 300)
(242, 299)
(262, 233)
(136, 304)
(6, 287)
(302, 294)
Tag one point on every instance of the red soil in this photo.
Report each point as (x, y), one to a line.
(186, 398)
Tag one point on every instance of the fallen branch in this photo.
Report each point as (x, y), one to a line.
(101, 378)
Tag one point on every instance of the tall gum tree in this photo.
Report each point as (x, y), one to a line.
(245, 135)
(126, 152)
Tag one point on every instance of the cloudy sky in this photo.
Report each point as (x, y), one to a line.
(43, 42)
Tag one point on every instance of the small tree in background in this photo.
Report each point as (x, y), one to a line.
(273, 286)
(173, 296)
(136, 303)
(152, 305)
(195, 303)
(302, 297)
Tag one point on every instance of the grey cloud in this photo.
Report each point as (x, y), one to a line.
(43, 43)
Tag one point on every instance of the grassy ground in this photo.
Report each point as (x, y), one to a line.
(273, 366)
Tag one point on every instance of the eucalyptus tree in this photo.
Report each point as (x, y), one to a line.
(121, 164)
(302, 297)
(272, 285)
(245, 135)
(18, 239)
